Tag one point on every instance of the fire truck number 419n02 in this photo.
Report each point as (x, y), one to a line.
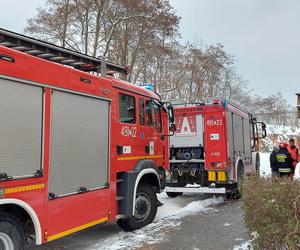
(77, 148)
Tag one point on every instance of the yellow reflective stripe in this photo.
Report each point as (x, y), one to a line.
(128, 158)
(284, 170)
(24, 188)
(76, 229)
(281, 157)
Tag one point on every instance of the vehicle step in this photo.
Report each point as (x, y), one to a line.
(119, 180)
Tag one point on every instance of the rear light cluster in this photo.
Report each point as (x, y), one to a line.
(223, 164)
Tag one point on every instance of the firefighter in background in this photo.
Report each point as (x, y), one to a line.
(273, 162)
(294, 152)
(284, 160)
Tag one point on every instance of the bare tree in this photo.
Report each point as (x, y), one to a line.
(144, 36)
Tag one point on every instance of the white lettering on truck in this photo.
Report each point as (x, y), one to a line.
(129, 131)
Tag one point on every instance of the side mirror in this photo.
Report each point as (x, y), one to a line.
(170, 114)
(264, 130)
(172, 128)
(170, 110)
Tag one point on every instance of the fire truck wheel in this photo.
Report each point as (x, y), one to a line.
(173, 195)
(11, 233)
(237, 188)
(145, 209)
(239, 185)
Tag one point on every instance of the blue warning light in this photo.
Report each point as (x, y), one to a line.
(148, 86)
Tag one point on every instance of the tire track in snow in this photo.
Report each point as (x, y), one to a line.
(168, 217)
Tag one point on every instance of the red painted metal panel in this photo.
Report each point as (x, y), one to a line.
(215, 141)
(65, 213)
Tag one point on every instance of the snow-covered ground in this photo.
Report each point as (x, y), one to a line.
(168, 216)
(244, 246)
(265, 169)
(175, 211)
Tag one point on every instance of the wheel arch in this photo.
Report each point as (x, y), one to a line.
(148, 175)
(238, 163)
(145, 171)
(30, 212)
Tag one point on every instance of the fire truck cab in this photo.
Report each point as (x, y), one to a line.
(77, 149)
(214, 146)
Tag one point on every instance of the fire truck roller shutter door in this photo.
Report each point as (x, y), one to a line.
(247, 142)
(79, 143)
(230, 134)
(238, 134)
(21, 116)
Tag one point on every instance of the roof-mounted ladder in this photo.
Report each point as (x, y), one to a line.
(55, 53)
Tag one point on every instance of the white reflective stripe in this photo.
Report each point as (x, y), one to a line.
(284, 170)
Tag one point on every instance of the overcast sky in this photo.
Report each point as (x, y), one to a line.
(263, 35)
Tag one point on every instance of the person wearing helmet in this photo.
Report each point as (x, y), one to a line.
(294, 152)
(284, 160)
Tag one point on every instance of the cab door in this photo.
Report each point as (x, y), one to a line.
(154, 147)
(139, 130)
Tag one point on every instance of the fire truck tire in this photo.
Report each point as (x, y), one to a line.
(239, 184)
(173, 195)
(145, 209)
(236, 189)
(12, 234)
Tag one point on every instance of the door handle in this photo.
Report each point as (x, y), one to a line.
(147, 149)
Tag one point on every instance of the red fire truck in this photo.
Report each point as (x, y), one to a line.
(77, 149)
(214, 146)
